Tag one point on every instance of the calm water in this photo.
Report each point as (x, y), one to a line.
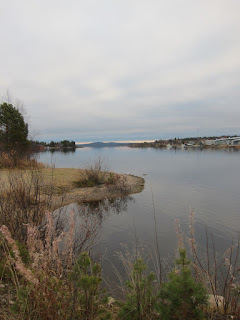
(207, 181)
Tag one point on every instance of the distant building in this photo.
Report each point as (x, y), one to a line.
(222, 141)
(236, 141)
(209, 142)
(228, 141)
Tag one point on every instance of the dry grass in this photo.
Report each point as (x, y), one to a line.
(94, 174)
(219, 274)
(63, 181)
(39, 287)
(50, 286)
(13, 160)
(59, 181)
(63, 178)
(21, 200)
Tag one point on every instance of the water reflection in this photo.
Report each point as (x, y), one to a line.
(65, 150)
(176, 149)
(86, 220)
(114, 205)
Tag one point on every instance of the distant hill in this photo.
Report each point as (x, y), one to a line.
(103, 144)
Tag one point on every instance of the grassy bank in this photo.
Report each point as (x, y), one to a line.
(69, 185)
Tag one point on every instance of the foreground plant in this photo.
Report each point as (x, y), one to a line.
(41, 292)
(182, 297)
(220, 272)
(88, 297)
(140, 300)
(22, 201)
(43, 287)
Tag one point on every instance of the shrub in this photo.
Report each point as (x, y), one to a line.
(21, 201)
(220, 273)
(141, 300)
(182, 297)
(97, 174)
(88, 297)
(14, 159)
(40, 276)
(117, 183)
(93, 175)
(112, 178)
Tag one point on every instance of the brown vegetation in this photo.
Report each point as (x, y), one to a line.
(113, 186)
(22, 200)
(12, 159)
(58, 185)
(46, 286)
(219, 274)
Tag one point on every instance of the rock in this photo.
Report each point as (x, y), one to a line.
(216, 301)
(110, 302)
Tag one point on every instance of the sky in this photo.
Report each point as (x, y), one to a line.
(109, 70)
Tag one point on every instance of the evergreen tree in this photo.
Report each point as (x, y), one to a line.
(141, 299)
(13, 129)
(182, 298)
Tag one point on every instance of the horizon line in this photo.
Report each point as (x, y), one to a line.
(114, 141)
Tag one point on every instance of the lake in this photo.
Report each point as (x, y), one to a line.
(176, 181)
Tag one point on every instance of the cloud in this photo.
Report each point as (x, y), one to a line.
(123, 69)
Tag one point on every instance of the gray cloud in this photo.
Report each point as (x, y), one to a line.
(123, 69)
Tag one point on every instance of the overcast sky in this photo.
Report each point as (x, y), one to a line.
(92, 70)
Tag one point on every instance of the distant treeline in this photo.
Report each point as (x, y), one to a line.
(57, 145)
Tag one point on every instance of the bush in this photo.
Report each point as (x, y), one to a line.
(93, 176)
(14, 159)
(141, 299)
(182, 297)
(117, 183)
(21, 201)
(88, 297)
(47, 286)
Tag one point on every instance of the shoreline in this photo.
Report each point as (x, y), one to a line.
(65, 192)
(177, 146)
(60, 183)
